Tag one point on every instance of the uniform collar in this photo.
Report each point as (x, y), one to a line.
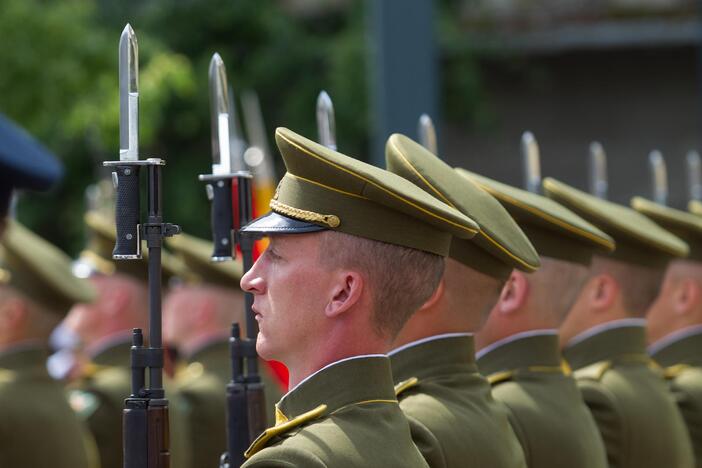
(435, 355)
(680, 347)
(209, 349)
(615, 339)
(342, 383)
(522, 350)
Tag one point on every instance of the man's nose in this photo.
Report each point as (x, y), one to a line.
(252, 281)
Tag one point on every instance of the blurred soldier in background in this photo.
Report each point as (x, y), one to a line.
(24, 164)
(518, 347)
(604, 336)
(674, 320)
(197, 319)
(453, 418)
(37, 426)
(104, 328)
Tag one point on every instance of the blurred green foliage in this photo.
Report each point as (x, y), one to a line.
(60, 81)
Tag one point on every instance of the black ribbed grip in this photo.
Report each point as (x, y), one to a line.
(222, 218)
(238, 439)
(127, 211)
(135, 433)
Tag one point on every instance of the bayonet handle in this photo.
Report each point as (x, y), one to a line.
(127, 245)
(221, 218)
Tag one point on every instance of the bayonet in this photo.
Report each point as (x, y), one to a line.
(659, 177)
(326, 126)
(531, 162)
(694, 175)
(599, 185)
(128, 95)
(427, 133)
(219, 182)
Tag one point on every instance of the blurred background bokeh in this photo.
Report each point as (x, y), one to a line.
(622, 72)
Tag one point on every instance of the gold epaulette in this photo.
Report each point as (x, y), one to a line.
(406, 385)
(499, 377)
(593, 371)
(90, 369)
(192, 371)
(672, 372)
(280, 429)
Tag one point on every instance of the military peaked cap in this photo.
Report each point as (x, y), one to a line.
(196, 254)
(324, 189)
(554, 230)
(500, 246)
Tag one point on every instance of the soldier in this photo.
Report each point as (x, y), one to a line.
(354, 251)
(604, 336)
(24, 164)
(453, 418)
(518, 346)
(37, 425)
(674, 320)
(104, 327)
(197, 318)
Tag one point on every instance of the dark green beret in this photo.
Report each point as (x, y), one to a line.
(97, 256)
(500, 246)
(196, 254)
(328, 189)
(686, 226)
(554, 230)
(41, 271)
(639, 240)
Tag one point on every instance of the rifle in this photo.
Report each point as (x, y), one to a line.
(145, 416)
(427, 133)
(659, 177)
(326, 124)
(599, 184)
(246, 412)
(531, 162)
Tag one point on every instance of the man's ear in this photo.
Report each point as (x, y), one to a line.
(602, 291)
(514, 293)
(346, 292)
(435, 296)
(686, 296)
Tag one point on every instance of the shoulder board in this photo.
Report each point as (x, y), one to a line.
(499, 377)
(83, 403)
(271, 432)
(675, 371)
(406, 385)
(7, 376)
(593, 371)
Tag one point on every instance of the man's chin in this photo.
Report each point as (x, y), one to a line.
(264, 348)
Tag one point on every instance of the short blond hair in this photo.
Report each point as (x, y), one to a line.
(401, 278)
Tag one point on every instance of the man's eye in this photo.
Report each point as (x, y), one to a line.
(272, 254)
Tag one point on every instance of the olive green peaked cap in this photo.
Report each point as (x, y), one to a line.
(196, 254)
(695, 207)
(639, 240)
(328, 189)
(500, 246)
(686, 226)
(554, 230)
(97, 257)
(40, 271)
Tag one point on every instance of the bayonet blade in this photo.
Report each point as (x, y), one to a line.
(694, 175)
(219, 117)
(128, 95)
(659, 177)
(599, 185)
(326, 125)
(532, 163)
(427, 133)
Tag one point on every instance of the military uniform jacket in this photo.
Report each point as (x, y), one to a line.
(37, 426)
(546, 409)
(99, 400)
(637, 416)
(202, 389)
(345, 415)
(453, 419)
(682, 360)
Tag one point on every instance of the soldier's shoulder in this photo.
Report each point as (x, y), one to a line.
(685, 377)
(8, 381)
(106, 385)
(284, 456)
(594, 372)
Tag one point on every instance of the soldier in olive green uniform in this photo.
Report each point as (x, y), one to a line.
(605, 338)
(354, 251)
(453, 418)
(675, 318)
(518, 347)
(105, 329)
(37, 426)
(197, 318)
